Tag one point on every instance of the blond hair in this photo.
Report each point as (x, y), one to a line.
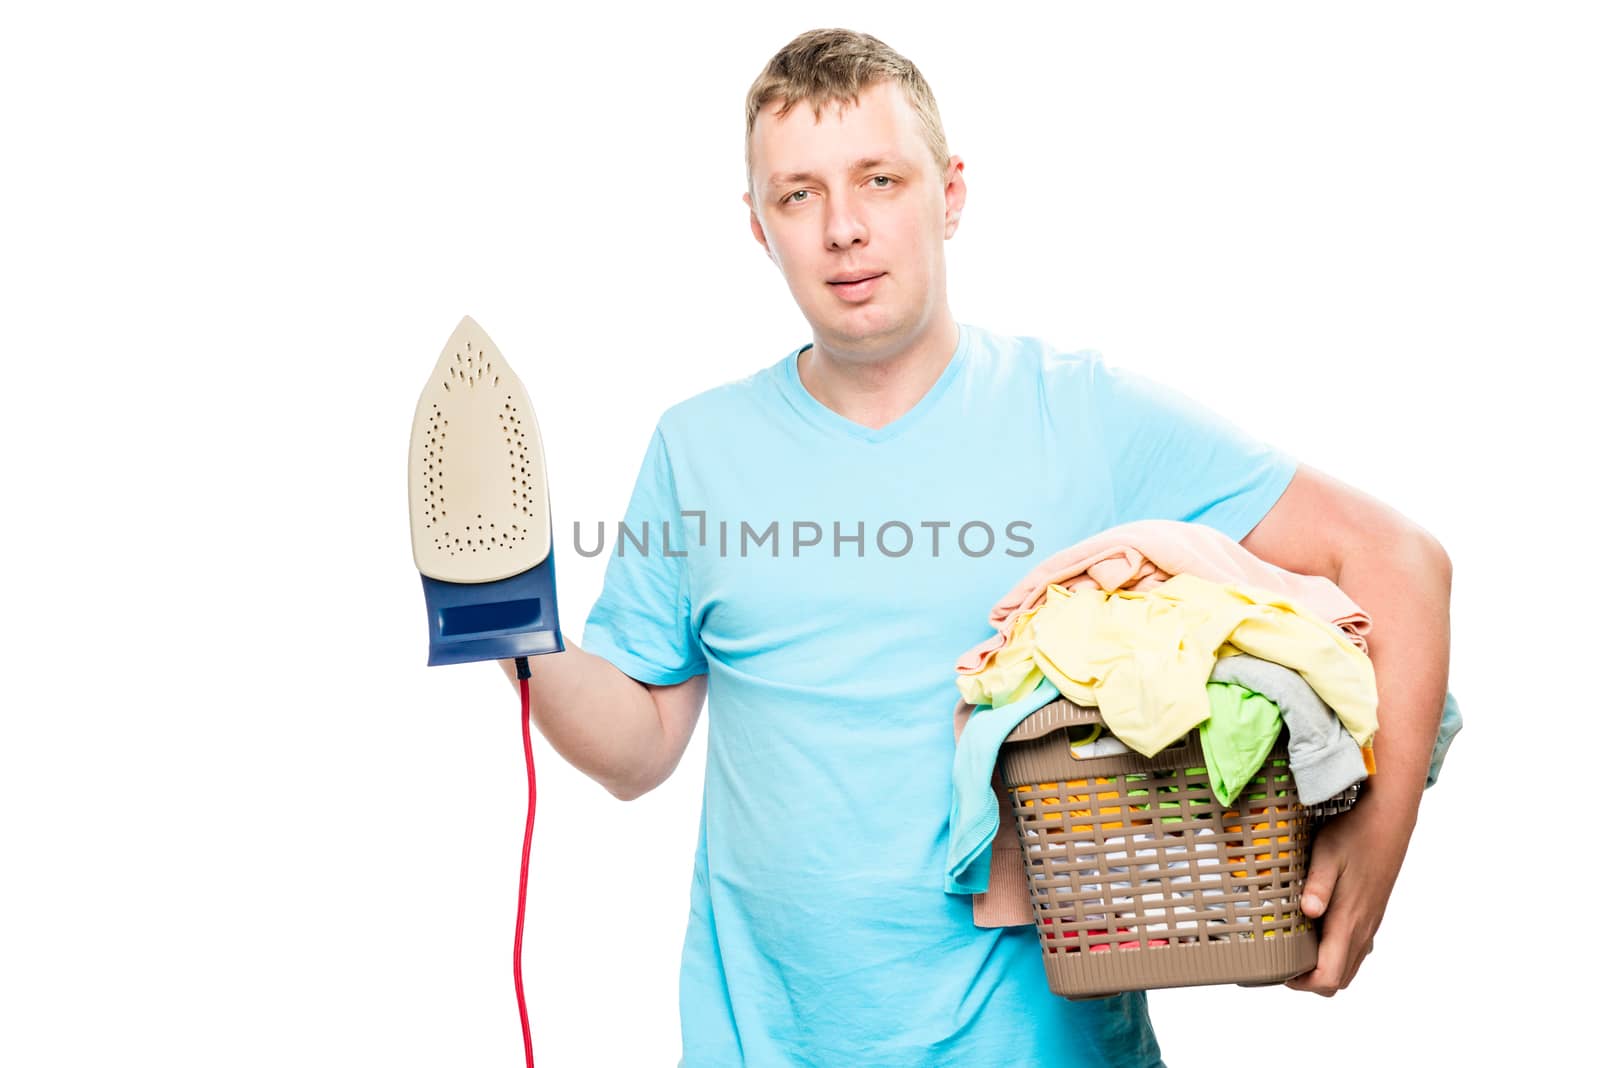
(833, 66)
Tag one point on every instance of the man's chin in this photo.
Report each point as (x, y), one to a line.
(862, 328)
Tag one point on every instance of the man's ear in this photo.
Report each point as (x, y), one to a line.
(955, 196)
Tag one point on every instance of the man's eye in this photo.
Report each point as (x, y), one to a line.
(885, 177)
(797, 193)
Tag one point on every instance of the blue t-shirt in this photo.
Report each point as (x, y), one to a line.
(826, 577)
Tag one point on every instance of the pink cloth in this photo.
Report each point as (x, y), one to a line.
(1134, 556)
(1139, 555)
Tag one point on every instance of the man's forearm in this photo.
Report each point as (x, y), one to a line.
(602, 722)
(1403, 583)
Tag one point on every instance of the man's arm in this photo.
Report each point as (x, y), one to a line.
(1400, 576)
(626, 735)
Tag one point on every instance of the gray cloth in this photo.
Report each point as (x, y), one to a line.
(1322, 755)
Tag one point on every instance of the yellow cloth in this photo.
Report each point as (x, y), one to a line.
(1144, 656)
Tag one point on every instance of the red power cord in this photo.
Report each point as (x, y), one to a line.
(527, 840)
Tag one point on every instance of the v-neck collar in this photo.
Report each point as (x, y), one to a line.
(814, 411)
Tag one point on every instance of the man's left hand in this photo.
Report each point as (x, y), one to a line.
(1355, 859)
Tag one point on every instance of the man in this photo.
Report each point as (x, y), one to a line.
(825, 562)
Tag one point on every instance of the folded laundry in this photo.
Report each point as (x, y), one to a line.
(1001, 897)
(1070, 940)
(1322, 755)
(976, 810)
(1144, 656)
(1105, 745)
(1449, 727)
(1241, 730)
(1139, 557)
(1145, 553)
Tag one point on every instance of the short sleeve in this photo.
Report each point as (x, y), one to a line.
(1173, 458)
(642, 620)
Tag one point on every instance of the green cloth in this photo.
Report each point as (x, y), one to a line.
(1238, 736)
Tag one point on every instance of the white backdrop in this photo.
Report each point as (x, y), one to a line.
(244, 824)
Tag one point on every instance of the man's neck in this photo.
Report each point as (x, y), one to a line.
(875, 392)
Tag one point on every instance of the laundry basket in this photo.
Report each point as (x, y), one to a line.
(1138, 876)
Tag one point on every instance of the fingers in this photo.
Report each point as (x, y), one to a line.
(1328, 977)
(1336, 963)
(1333, 955)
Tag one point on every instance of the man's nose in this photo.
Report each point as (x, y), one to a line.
(845, 224)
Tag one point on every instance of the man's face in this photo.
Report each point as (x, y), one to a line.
(856, 193)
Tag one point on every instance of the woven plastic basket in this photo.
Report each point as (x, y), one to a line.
(1138, 876)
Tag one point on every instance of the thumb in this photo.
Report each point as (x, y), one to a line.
(1319, 884)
